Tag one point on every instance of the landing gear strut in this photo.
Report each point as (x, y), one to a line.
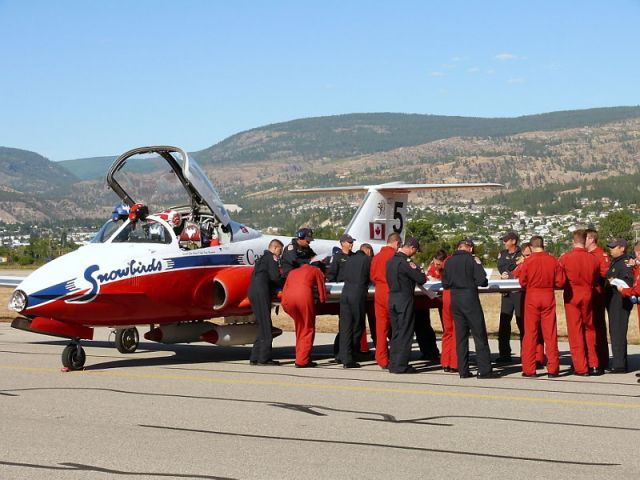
(127, 339)
(73, 356)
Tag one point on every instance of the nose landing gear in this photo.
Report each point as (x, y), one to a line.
(73, 356)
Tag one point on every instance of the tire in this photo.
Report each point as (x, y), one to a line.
(127, 339)
(73, 357)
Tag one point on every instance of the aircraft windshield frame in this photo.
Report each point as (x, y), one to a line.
(195, 182)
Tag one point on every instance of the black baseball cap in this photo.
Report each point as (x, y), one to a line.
(347, 238)
(510, 236)
(466, 241)
(618, 242)
(305, 233)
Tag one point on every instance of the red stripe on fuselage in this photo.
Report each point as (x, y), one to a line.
(164, 297)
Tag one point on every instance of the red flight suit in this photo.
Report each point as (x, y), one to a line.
(540, 345)
(378, 275)
(635, 289)
(582, 271)
(298, 302)
(599, 307)
(448, 355)
(540, 274)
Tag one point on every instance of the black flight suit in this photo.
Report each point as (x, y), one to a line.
(295, 255)
(463, 275)
(511, 303)
(402, 276)
(618, 309)
(265, 280)
(335, 273)
(353, 304)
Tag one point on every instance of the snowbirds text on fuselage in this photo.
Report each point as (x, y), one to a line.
(177, 268)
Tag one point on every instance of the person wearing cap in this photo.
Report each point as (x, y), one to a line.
(302, 285)
(540, 275)
(511, 302)
(339, 259)
(353, 303)
(599, 299)
(618, 306)
(402, 277)
(463, 274)
(265, 279)
(582, 271)
(381, 297)
(298, 252)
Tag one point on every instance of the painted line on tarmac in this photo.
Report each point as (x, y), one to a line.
(347, 388)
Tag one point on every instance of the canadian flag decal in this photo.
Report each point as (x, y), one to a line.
(376, 231)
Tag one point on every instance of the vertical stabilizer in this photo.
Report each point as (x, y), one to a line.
(384, 208)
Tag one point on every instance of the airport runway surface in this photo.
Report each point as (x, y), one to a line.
(202, 412)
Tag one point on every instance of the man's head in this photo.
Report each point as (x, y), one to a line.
(636, 250)
(591, 241)
(346, 242)
(617, 247)
(394, 240)
(537, 243)
(526, 250)
(367, 249)
(410, 246)
(510, 240)
(275, 247)
(579, 237)
(465, 244)
(304, 236)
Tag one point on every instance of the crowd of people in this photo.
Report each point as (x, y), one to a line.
(593, 282)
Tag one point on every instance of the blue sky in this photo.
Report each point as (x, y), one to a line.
(89, 78)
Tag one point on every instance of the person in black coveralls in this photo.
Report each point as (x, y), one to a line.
(265, 280)
(618, 306)
(463, 274)
(335, 273)
(511, 302)
(298, 252)
(353, 303)
(402, 276)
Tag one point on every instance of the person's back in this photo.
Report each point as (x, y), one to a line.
(357, 271)
(541, 271)
(379, 267)
(581, 269)
(462, 272)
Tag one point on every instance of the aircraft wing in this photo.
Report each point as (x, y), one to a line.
(334, 290)
(397, 187)
(10, 281)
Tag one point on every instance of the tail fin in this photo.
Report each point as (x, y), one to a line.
(384, 208)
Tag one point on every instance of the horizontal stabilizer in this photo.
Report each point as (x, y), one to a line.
(397, 187)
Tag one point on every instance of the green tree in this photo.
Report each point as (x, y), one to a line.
(616, 225)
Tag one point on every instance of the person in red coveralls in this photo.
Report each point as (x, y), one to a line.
(599, 299)
(298, 301)
(526, 253)
(448, 356)
(582, 271)
(381, 298)
(540, 275)
(634, 291)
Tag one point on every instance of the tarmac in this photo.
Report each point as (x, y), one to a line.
(200, 411)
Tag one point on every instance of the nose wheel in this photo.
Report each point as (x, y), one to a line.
(73, 357)
(127, 339)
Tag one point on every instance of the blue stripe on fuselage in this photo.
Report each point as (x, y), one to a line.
(51, 293)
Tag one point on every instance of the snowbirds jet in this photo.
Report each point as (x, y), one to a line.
(178, 268)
